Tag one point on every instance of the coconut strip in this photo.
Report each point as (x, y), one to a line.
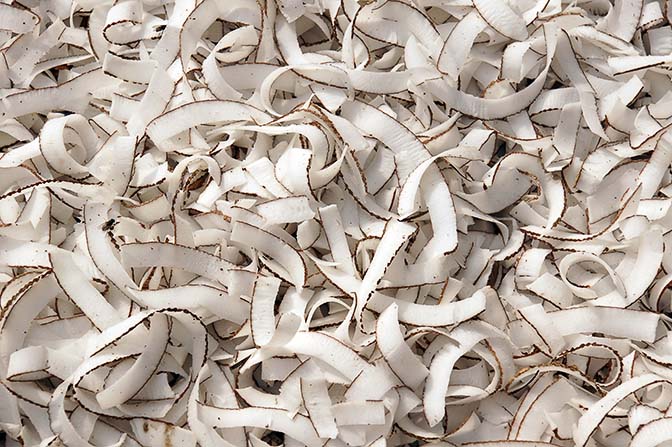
(201, 112)
(191, 297)
(150, 254)
(591, 419)
(273, 246)
(502, 18)
(442, 314)
(135, 378)
(262, 310)
(396, 352)
(318, 404)
(467, 335)
(290, 209)
(395, 235)
(73, 282)
(299, 429)
(649, 434)
(456, 48)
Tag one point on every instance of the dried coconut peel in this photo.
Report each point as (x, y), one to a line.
(329, 223)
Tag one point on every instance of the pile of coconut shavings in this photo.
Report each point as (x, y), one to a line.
(324, 223)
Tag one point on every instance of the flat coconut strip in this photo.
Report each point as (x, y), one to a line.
(622, 19)
(653, 433)
(202, 112)
(136, 71)
(27, 364)
(396, 352)
(605, 320)
(653, 172)
(77, 286)
(329, 350)
(458, 45)
(271, 245)
(21, 154)
(318, 404)
(192, 296)
(336, 238)
(17, 20)
(564, 136)
(150, 254)
(395, 236)
(552, 289)
(360, 80)
(372, 384)
(359, 413)
(72, 95)
(286, 210)
(442, 314)
(299, 428)
(502, 18)
(262, 309)
(153, 102)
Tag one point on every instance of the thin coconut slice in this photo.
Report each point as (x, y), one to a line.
(502, 18)
(318, 404)
(396, 352)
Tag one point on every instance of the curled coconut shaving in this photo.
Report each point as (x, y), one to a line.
(335, 223)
